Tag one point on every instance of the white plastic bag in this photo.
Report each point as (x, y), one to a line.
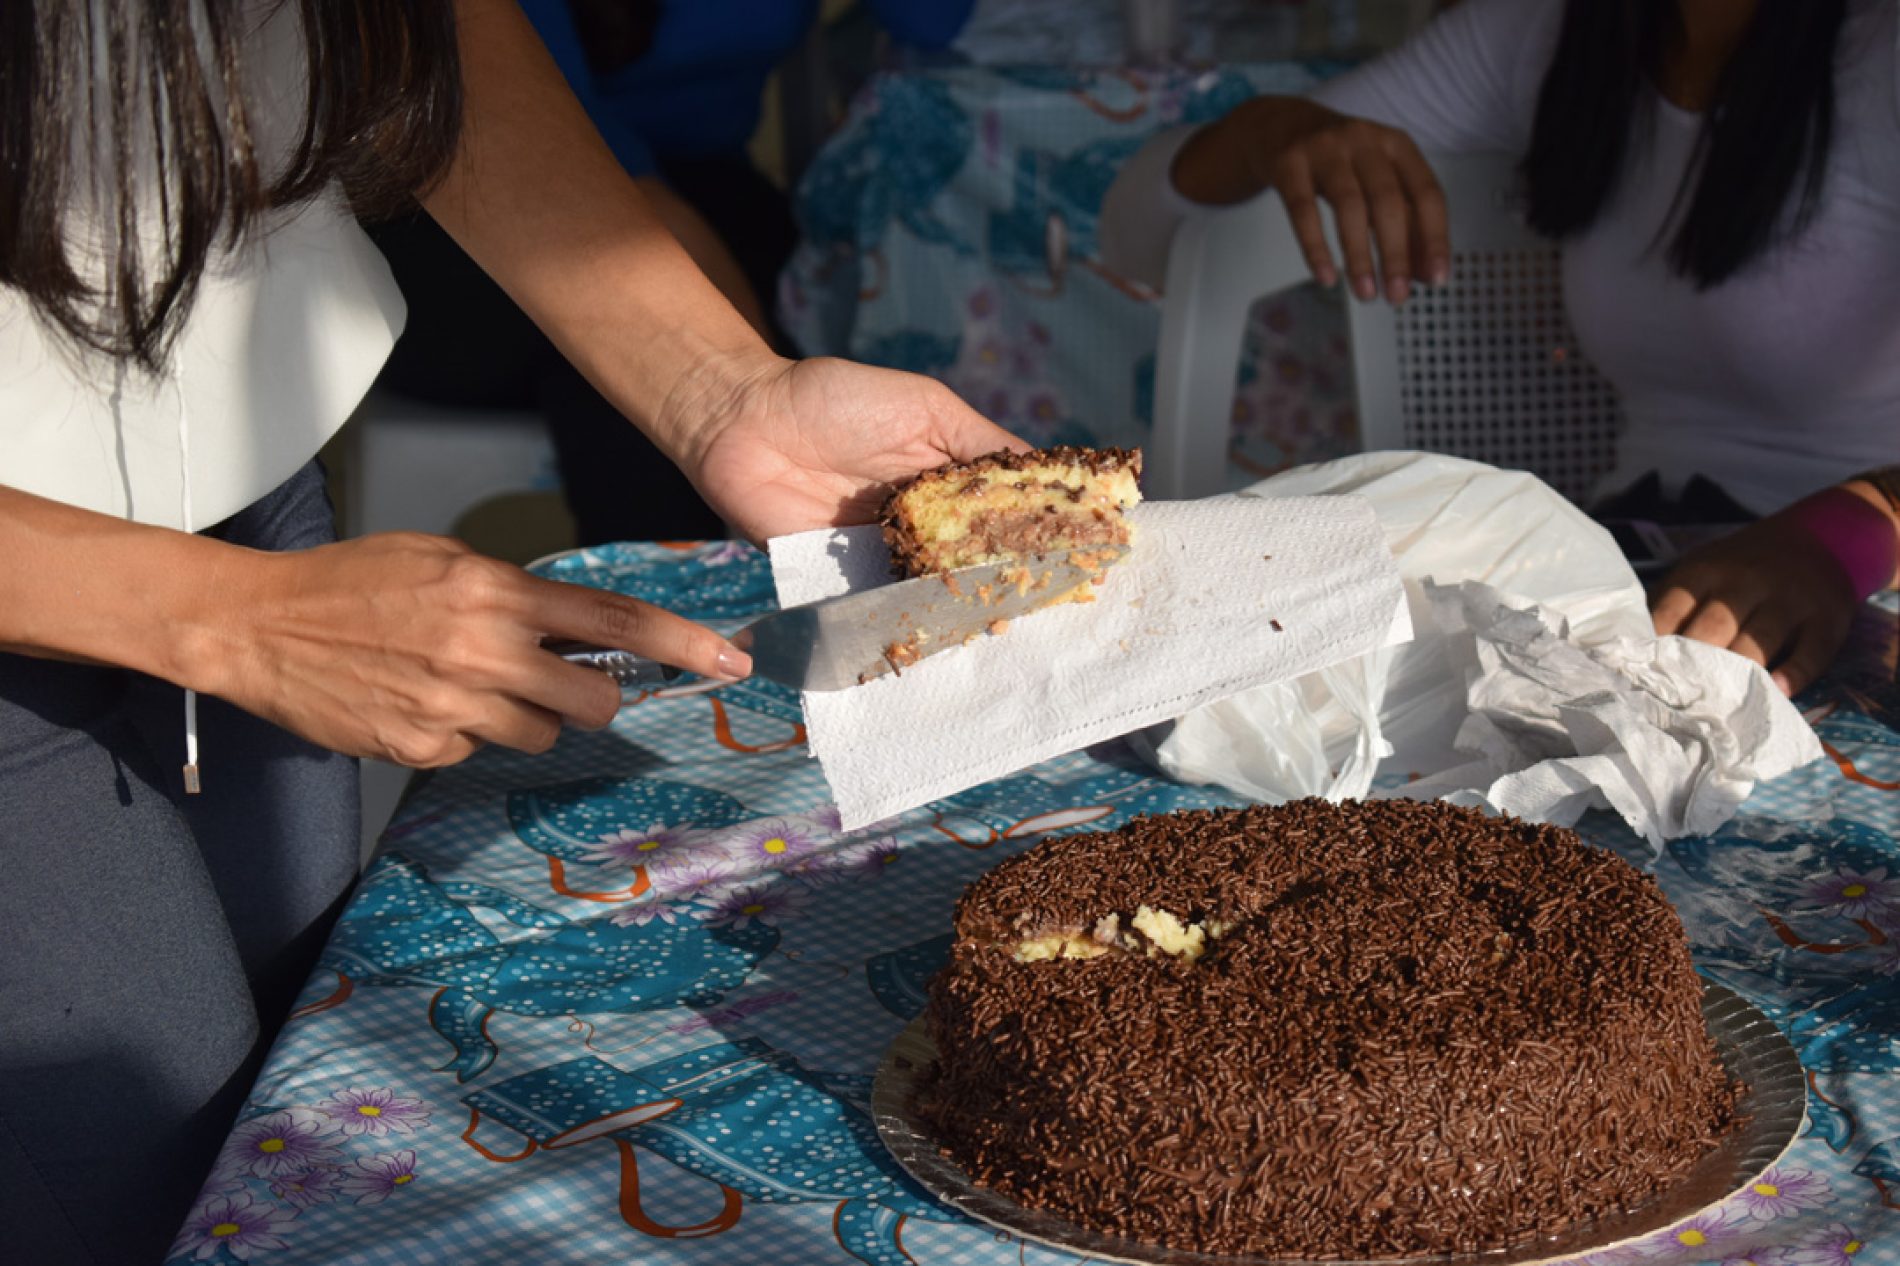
(1446, 519)
(1573, 704)
(1318, 735)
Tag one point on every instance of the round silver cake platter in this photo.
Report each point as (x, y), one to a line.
(1752, 1049)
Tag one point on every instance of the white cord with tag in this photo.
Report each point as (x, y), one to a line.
(192, 784)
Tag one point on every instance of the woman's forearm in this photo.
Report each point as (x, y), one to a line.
(400, 646)
(707, 249)
(88, 586)
(539, 201)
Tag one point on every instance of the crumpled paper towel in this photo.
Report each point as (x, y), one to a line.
(1671, 734)
(1183, 619)
(1534, 684)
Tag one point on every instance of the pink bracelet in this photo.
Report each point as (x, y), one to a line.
(1858, 535)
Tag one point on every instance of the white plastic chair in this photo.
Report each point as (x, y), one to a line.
(1484, 367)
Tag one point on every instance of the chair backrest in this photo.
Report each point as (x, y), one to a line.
(1484, 367)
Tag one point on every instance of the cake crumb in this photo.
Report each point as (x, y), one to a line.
(900, 655)
(998, 627)
(1095, 562)
(1275, 626)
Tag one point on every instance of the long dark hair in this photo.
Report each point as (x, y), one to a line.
(1760, 162)
(382, 116)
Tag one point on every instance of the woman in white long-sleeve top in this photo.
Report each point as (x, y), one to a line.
(1724, 178)
(187, 311)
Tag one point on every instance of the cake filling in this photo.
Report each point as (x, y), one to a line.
(1011, 505)
(1151, 932)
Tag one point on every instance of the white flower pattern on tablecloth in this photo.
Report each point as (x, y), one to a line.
(640, 913)
(771, 842)
(1836, 1245)
(655, 847)
(763, 903)
(1700, 1238)
(311, 1187)
(295, 1160)
(1850, 894)
(700, 874)
(236, 1225)
(854, 859)
(1783, 1192)
(286, 1142)
(810, 847)
(695, 876)
(376, 1112)
(374, 1180)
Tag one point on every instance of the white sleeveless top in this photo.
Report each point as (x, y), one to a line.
(286, 336)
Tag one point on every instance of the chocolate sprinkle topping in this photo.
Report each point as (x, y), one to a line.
(1420, 1030)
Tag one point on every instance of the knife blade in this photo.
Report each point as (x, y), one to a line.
(848, 640)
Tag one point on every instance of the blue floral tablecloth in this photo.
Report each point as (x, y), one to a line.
(622, 1002)
(949, 228)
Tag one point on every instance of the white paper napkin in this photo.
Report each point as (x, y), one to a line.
(1670, 733)
(1185, 618)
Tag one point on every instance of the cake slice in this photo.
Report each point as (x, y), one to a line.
(1010, 506)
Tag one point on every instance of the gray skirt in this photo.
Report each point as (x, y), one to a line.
(150, 943)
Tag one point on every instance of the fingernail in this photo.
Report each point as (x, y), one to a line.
(1364, 288)
(1441, 271)
(1396, 290)
(1327, 278)
(734, 665)
(1781, 682)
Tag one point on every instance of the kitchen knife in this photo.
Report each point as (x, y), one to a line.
(844, 641)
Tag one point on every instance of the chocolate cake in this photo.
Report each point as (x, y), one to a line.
(1010, 505)
(1315, 1030)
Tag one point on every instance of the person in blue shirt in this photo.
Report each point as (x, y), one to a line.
(676, 88)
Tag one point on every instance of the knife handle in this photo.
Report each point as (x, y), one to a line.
(633, 672)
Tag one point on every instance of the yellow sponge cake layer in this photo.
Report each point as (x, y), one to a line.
(1011, 505)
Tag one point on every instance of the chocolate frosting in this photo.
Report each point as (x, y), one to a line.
(1419, 1030)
